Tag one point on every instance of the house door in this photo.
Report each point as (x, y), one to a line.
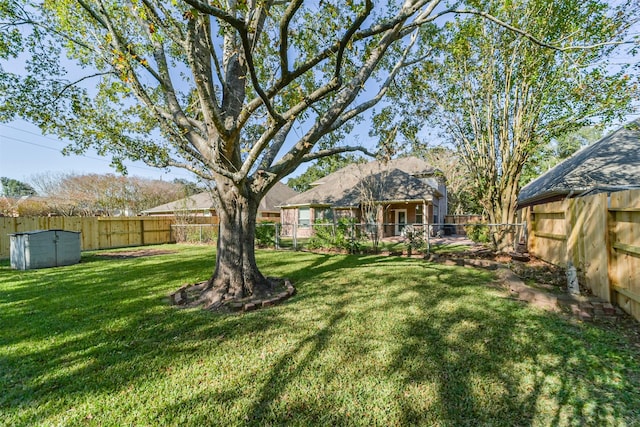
(401, 221)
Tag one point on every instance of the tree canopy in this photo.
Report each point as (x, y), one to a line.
(238, 92)
(502, 98)
(14, 188)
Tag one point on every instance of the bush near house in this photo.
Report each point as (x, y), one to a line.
(478, 233)
(266, 234)
(342, 235)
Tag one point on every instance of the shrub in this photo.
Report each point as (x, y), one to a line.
(266, 233)
(195, 233)
(342, 236)
(414, 238)
(478, 233)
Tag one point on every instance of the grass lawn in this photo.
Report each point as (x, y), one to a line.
(367, 340)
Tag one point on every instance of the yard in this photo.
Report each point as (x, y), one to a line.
(367, 340)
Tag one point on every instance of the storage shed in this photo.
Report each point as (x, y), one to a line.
(44, 248)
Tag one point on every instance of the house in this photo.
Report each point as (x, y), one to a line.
(202, 205)
(611, 164)
(390, 195)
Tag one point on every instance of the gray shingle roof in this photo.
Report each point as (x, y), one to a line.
(204, 201)
(397, 180)
(612, 163)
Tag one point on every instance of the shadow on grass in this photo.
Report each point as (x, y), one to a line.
(366, 340)
(99, 326)
(487, 360)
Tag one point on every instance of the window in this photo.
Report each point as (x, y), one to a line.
(304, 217)
(324, 213)
(419, 214)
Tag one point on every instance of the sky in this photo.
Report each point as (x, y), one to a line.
(25, 152)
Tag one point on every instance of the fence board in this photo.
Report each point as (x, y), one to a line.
(600, 235)
(625, 267)
(97, 233)
(590, 234)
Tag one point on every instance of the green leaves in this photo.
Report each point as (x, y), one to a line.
(500, 97)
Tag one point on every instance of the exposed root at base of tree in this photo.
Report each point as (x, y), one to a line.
(219, 300)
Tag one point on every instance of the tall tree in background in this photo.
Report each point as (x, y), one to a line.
(14, 188)
(189, 187)
(558, 150)
(215, 87)
(104, 194)
(502, 98)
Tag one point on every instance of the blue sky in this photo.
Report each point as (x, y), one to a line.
(25, 152)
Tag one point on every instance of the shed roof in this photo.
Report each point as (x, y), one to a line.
(610, 164)
(204, 201)
(396, 180)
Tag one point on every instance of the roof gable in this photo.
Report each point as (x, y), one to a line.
(396, 180)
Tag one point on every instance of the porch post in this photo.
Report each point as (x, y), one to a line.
(428, 231)
(425, 222)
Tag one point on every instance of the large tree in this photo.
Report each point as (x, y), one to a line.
(501, 98)
(241, 92)
(238, 92)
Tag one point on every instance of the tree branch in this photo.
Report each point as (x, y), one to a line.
(347, 37)
(206, 8)
(526, 34)
(246, 45)
(198, 58)
(284, 36)
(59, 95)
(276, 144)
(354, 112)
(289, 77)
(176, 34)
(336, 150)
(323, 124)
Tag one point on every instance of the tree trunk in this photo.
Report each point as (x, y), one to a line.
(503, 212)
(236, 275)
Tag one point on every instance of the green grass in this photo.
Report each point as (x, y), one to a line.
(366, 341)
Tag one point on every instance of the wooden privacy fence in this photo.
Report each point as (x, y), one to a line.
(600, 236)
(97, 232)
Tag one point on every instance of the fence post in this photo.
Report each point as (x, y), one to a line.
(277, 236)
